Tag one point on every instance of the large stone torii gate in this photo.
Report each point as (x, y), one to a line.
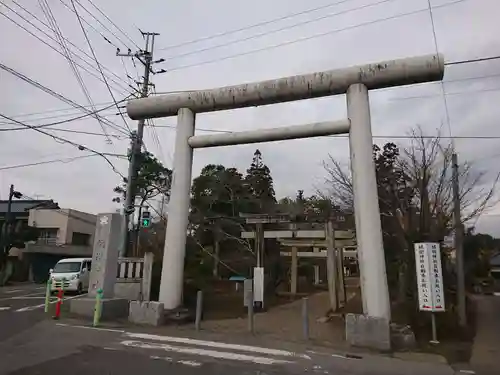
(355, 81)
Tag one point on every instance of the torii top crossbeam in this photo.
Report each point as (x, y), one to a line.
(332, 82)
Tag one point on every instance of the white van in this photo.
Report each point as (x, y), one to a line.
(72, 273)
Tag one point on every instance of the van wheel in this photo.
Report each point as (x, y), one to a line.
(80, 289)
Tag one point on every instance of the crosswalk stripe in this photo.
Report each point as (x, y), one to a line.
(215, 344)
(205, 352)
(30, 308)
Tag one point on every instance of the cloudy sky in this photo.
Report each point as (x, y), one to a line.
(339, 33)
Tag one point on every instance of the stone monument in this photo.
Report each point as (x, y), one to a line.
(104, 270)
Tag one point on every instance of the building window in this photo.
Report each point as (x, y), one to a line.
(80, 239)
(48, 235)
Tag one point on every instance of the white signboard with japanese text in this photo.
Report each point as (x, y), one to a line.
(429, 276)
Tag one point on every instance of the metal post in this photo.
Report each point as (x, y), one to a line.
(340, 275)
(459, 248)
(305, 318)
(5, 237)
(434, 330)
(175, 238)
(259, 243)
(47, 295)
(330, 266)
(250, 311)
(375, 292)
(199, 307)
(294, 269)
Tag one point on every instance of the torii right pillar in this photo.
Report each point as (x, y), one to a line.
(373, 328)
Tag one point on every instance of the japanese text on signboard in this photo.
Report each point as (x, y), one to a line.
(429, 276)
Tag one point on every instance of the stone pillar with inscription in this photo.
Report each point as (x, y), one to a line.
(105, 255)
(103, 271)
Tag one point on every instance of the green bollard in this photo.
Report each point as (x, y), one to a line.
(47, 295)
(98, 307)
(62, 287)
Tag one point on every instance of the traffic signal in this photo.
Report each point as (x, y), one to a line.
(146, 219)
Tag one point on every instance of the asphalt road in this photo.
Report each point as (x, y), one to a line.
(32, 343)
(15, 298)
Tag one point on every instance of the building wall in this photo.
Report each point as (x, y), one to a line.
(81, 222)
(50, 219)
(66, 221)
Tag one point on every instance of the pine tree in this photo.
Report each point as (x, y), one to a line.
(260, 184)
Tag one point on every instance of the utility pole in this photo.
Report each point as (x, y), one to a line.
(459, 246)
(146, 58)
(5, 238)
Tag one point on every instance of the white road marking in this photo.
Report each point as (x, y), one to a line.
(181, 361)
(5, 308)
(30, 308)
(13, 291)
(190, 363)
(215, 344)
(205, 352)
(94, 328)
(27, 297)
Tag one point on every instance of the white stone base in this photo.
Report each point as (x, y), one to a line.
(367, 331)
(148, 313)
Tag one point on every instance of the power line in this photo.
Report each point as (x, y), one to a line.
(62, 115)
(155, 137)
(98, 21)
(72, 109)
(64, 140)
(97, 62)
(64, 121)
(62, 160)
(481, 59)
(66, 39)
(441, 84)
(114, 24)
(314, 36)
(448, 94)
(253, 26)
(50, 46)
(266, 33)
(53, 93)
(87, 133)
(57, 31)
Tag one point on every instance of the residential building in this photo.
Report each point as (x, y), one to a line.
(62, 233)
(495, 270)
(17, 268)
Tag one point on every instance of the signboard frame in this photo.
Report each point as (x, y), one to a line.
(429, 274)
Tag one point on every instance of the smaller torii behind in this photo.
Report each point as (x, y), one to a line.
(324, 237)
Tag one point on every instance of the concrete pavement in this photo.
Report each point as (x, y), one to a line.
(486, 347)
(52, 347)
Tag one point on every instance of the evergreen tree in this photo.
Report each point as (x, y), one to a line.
(260, 185)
